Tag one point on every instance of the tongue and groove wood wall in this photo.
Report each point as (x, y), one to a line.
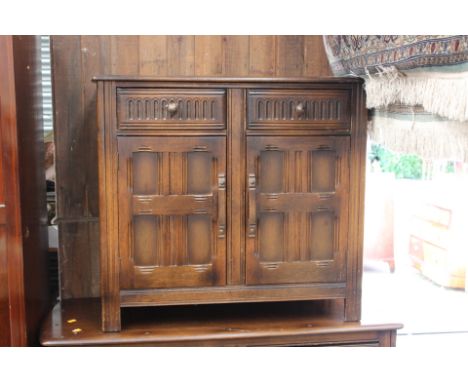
(76, 59)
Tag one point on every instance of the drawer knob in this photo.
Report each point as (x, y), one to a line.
(172, 107)
(300, 108)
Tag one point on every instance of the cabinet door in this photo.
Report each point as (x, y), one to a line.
(172, 211)
(297, 214)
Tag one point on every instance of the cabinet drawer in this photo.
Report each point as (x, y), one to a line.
(308, 109)
(171, 109)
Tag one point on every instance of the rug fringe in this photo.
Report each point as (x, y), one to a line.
(444, 96)
(430, 140)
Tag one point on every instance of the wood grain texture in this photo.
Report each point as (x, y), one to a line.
(236, 55)
(262, 56)
(235, 195)
(356, 212)
(76, 59)
(13, 254)
(153, 55)
(26, 52)
(303, 243)
(209, 56)
(76, 172)
(315, 58)
(289, 55)
(23, 240)
(181, 56)
(273, 324)
(70, 134)
(125, 54)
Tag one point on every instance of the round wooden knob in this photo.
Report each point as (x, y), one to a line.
(300, 108)
(172, 107)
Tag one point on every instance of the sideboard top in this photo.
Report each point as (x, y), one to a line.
(119, 78)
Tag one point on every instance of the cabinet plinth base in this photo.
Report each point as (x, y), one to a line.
(77, 323)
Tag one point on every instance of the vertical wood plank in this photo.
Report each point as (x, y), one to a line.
(80, 261)
(94, 61)
(236, 56)
(181, 55)
(125, 55)
(262, 56)
(153, 55)
(209, 56)
(315, 58)
(289, 56)
(68, 115)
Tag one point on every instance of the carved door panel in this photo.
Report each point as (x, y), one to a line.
(172, 212)
(297, 209)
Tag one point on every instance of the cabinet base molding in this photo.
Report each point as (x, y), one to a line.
(213, 295)
(78, 323)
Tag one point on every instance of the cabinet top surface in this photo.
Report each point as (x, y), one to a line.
(335, 80)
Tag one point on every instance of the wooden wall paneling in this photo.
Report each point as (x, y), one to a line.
(209, 56)
(236, 55)
(76, 173)
(181, 56)
(71, 147)
(95, 59)
(289, 56)
(262, 56)
(125, 55)
(153, 55)
(315, 57)
(4, 308)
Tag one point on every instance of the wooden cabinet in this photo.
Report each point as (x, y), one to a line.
(230, 190)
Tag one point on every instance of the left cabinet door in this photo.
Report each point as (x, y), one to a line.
(172, 212)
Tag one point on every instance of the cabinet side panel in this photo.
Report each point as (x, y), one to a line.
(110, 290)
(356, 210)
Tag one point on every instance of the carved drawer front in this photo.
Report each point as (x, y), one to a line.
(297, 209)
(311, 109)
(171, 108)
(172, 212)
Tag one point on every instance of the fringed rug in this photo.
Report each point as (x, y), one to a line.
(417, 86)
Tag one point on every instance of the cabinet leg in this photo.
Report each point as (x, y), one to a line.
(110, 316)
(352, 309)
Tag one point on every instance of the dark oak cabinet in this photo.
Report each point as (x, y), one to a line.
(217, 190)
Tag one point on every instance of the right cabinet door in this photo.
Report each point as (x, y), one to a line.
(297, 209)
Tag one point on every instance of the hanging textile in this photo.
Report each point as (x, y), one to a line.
(417, 87)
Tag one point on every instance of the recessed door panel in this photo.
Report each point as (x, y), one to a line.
(297, 203)
(172, 212)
